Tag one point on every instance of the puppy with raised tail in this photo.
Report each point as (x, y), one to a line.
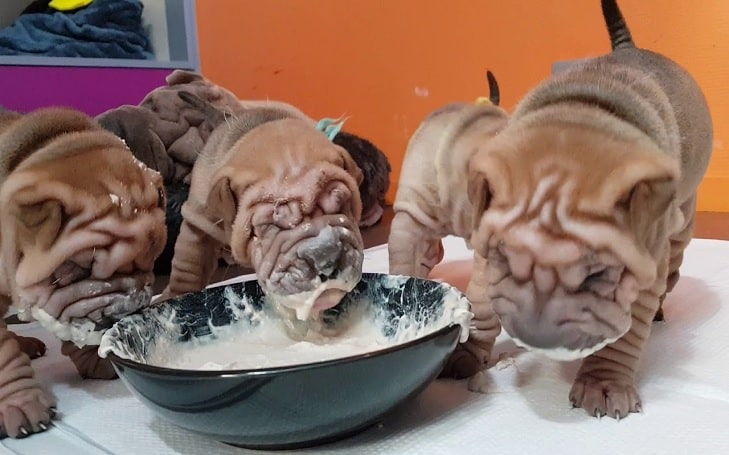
(432, 201)
(81, 224)
(584, 204)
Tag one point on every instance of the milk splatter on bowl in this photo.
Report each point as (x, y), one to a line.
(297, 405)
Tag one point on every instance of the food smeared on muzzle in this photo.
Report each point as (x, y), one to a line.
(327, 267)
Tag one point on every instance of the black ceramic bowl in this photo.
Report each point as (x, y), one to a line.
(293, 406)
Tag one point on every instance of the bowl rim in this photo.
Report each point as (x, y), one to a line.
(273, 371)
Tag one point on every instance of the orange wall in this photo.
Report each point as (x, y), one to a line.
(387, 64)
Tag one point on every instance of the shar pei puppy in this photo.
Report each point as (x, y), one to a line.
(432, 200)
(81, 223)
(272, 192)
(583, 206)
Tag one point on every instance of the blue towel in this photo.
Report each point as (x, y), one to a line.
(104, 29)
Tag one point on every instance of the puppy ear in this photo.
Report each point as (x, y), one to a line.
(654, 195)
(222, 200)
(33, 220)
(649, 201)
(479, 194)
(212, 114)
(351, 166)
(40, 223)
(646, 183)
(178, 77)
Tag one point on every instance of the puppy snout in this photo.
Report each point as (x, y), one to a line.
(287, 214)
(602, 280)
(323, 256)
(590, 273)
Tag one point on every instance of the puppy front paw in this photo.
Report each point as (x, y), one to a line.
(612, 397)
(33, 347)
(466, 361)
(25, 412)
(87, 361)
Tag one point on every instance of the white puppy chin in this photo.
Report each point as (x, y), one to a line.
(564, 354)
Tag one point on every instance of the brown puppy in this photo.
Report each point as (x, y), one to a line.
(584, 204)
(432, 200)
(81, 222)
(274, 193)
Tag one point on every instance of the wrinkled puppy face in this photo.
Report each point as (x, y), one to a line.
(293, 213)
(86, 230)
(571, 224)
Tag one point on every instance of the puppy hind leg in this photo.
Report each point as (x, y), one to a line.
(413, 248)
(25, 407)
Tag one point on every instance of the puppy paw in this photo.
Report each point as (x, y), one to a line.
(599, 397)
(461, 364)
(33, 347)
(481, 382)
(25, 412)
(87, 361)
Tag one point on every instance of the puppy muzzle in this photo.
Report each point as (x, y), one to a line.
(564, 312)
(316, 271)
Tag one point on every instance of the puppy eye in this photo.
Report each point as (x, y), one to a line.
(161, 198)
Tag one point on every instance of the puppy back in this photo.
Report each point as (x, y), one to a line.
(26, 134)
(236, 126)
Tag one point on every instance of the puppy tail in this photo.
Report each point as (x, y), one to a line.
(214, 115)
(620, 37)
(494, 94)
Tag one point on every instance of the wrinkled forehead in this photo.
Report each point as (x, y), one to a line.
(548, 162)
(106, 171)
(286, 153)
(299, 180)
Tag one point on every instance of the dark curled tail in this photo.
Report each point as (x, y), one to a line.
(620, 37)
(494, 94)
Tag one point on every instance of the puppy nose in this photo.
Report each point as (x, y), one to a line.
(323, 253)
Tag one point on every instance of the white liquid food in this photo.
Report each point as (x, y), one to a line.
(270, 346)
(262, 339)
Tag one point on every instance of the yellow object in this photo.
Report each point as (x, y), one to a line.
(67, 5)
(481, 100)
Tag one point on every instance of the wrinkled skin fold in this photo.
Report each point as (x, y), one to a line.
(273, 193)
(81, 224)
(583, 206)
